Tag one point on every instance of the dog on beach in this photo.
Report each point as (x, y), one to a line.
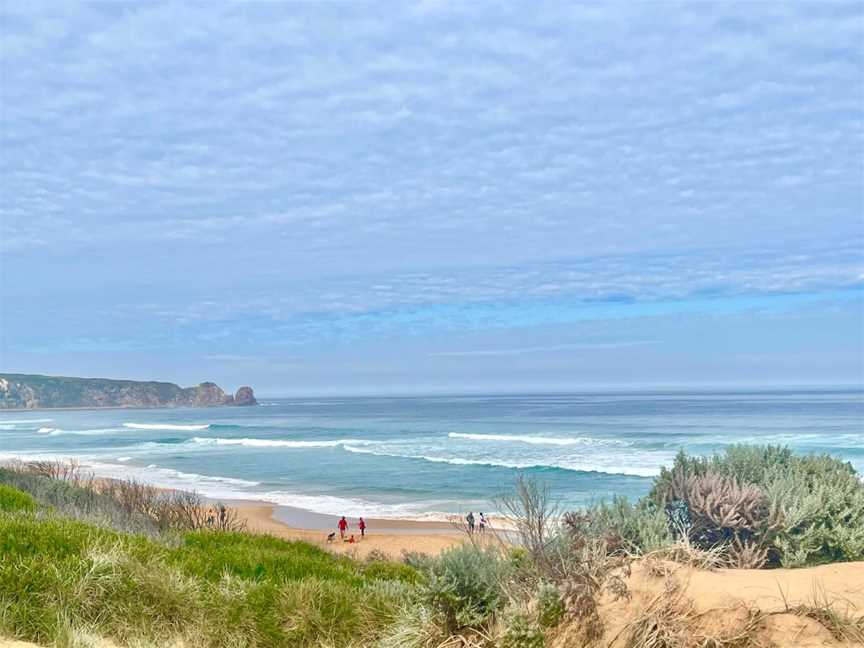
(331, 537)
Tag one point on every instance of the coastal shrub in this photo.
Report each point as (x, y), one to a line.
(624, 526)
(72, 499)
(535, 516)
(50, 492)
(464, 586)
(123, 505)
(748, 464)
(550, 606)
(12, 499)
(417, 559)
(63, 470)
(721, 511)
(522, 633)
(822, 499)
(169, 510)
(792, 509)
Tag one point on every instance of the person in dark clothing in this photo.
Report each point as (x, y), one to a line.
(470, 519)
(362, 526)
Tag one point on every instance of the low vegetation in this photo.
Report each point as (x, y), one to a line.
(208, 588)
(84, 559)
(766, 506)
(125, 505)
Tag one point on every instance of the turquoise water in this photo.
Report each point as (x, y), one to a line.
(425, 457)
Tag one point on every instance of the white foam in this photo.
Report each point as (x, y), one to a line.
(355, 507)
(195, 479)
(278, 443)
(170, 478)
(123, 459)
(636, 471)
(94, 432)
(166, 426)
(536, 440)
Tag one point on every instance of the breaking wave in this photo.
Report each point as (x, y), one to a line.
(166, 426)
(536, 440)
(635, 471)
(94, 432)
(278, 443)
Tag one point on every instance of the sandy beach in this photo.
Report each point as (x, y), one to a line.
(392, 537)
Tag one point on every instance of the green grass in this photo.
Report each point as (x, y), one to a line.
(12, 499)
(210, 588)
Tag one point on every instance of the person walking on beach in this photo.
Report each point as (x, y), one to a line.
(483, 522)
(362, 526)
(470, 520)
(343, 526)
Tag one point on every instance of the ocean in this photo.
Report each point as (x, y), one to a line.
(425, 457)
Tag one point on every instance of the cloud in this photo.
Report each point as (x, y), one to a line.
(201, 175)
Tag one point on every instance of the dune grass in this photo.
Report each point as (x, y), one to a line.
(12, 499)
(211, 588)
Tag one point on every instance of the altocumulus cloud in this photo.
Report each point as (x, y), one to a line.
(320, 170)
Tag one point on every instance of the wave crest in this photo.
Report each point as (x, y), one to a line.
(94, 432)
(633, 471)
(278, 443)
(536, 440)
(166, 426)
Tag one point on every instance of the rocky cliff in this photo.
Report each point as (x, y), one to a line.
(21, 391)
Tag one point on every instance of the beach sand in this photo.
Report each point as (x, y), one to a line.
(720, 598)
(391, 537)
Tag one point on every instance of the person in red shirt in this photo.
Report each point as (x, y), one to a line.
(362, 526)
(343, 526)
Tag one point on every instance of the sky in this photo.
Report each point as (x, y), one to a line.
(433, 197)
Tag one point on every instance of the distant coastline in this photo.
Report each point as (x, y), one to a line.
(37, 392)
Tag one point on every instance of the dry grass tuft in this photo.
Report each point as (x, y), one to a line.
(838, 617)
(684, 552)
(670, 621)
